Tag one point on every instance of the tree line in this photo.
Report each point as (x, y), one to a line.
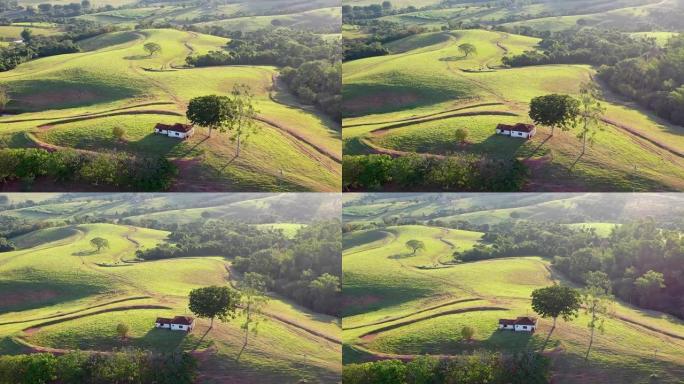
(305, 268)
(119, 170)
(125, 366)
(480, 367)
(454, 173)
(379, 32)
(33, 46)
(310, 65)
(643, 261)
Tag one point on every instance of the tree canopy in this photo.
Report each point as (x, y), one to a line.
(99, 243)
(415, 245)
(212, 302)
(152, 48)
(555, 111)
(467, 49)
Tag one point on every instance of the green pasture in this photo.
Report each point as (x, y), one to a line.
(414, 101)
(399, 304)
(59, 292)
(74, 101)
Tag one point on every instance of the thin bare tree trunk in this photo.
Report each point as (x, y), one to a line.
(553, 327)
(591, 338)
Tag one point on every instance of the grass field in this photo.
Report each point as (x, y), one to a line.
(398, 306)
(74, 101)
(60, 294)
(413, 101)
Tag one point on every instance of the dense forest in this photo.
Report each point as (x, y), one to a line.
(130, 366)
(305, 268)
(644, 260)
(480, 367)
(310, 65)
(115, 170)
(634, 67)
(454, 173)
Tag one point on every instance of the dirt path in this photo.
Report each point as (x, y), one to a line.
(154, 103)
(391, 319)
(367, 336)
(414, 118)
(36, 327)
(78, 311)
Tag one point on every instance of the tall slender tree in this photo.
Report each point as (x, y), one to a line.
(590, 113)
(253, 300)
(598, 300)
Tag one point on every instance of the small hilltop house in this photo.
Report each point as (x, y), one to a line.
(520, 324)
(178, 130)
(525, 131)
(178, 323)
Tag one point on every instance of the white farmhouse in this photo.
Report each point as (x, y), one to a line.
(520, 324)
(178, 130)
(178, 323)
(525, 131)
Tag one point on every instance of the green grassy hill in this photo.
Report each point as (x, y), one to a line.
(60, 294)
(75, 100)
(413, 100)
(400, 305)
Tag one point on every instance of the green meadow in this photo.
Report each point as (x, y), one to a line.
(415, 99)
(75, 100)
(60, 294)
(401, 305)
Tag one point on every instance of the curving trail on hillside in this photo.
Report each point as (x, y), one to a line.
(34, 328)
(78, 311)
(391, 319)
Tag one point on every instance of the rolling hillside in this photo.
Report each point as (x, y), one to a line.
(414, 99)
(59, 294)
(400, 305)
(75, 100)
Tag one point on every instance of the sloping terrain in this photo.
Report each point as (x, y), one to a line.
(400, 305)
(75, 100)
(413, 101)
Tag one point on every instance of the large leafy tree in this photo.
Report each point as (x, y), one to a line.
(415, 245)
(554, 302)
(152, 48)
(99, 243)
(467, 49)
(555, 111)
(214, 302)
(212, 111)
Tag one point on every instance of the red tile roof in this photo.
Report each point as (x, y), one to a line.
(178, 127)
(183, 320)
(523, 320)
(163, 320)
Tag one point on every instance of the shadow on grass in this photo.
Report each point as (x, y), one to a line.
(85, 253)
(156, 144)
(452, 58)
(30, 294)
(162, 340)
(400, 256)
(137, 57)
